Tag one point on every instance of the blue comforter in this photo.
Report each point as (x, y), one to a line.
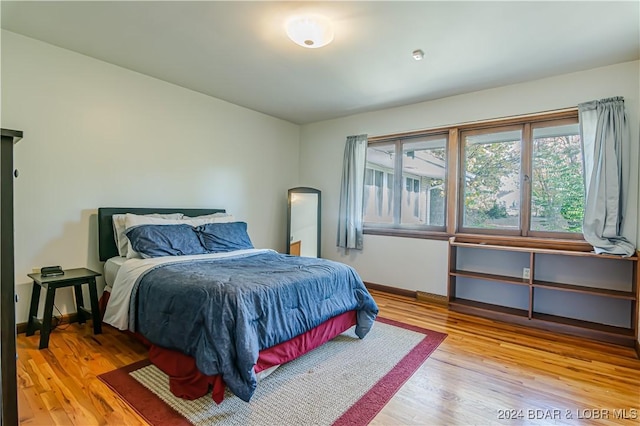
(223, 312)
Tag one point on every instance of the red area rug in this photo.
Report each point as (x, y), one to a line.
(347, 381)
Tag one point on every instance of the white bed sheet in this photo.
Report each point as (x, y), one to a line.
(117, 311)
(111, 268)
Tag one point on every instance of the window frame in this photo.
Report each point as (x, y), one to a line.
(526, 165)
(461, 181)
(397, 227)
(528, 232)
(454, 179)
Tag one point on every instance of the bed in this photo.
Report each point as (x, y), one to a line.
(220, 318)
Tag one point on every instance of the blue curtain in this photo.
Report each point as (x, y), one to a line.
(605, 143)
(350, 222)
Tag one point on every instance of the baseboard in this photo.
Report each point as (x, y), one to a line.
(637, 348)
(61, 319)
(436, 299)
(391, 290)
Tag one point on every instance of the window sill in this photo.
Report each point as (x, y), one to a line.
(504, 240)
(529, 242)
(407, 233)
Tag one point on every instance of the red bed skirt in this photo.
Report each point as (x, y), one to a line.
(186, 381)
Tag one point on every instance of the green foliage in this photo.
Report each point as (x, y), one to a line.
(489, 168)
(497, 211)
(557, 195)
(557, 188)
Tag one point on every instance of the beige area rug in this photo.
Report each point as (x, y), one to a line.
(344, 381)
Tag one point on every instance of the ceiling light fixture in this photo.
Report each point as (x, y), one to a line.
(418, 54)
(310, 31)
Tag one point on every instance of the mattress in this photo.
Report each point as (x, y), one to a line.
(111, 268)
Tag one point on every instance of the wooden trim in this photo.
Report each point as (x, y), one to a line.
(577, 236)
(570, 112)
(522, 119)
(422, 296)
(452, 266)
(21, 327)
(490, 277)
(513, 232)
(546, 322)
(410, 233)
(532, 290)
(436, 299)
(488, 310)
(525, 242)
(553, 122)
(594, 291)
(460, 183)
(491, 239)
(539, 250)
(526, 174)
(495, 128)
(57, 320)
(505, 240)
(391, 290)
(408, 136)
(452, 179)
(593, 330)
(637, 347)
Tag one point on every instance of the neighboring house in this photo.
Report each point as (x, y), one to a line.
(423, 181)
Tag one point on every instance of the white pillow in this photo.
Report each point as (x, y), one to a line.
(203, 220)
(136, 220)
(119, 227)
(208, 216)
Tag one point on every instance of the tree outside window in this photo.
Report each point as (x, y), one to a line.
(523, 180)
(492, 179)
(557, 186)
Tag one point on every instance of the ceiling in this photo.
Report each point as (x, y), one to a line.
(238, 51)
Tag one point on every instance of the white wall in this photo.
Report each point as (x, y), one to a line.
(97, 135)
(421, 264)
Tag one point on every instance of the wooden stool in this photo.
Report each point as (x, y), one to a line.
(71, 277)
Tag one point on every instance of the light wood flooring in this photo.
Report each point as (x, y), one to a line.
(484, 373)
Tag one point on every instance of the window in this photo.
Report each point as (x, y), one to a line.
(405, 183)
(491, 190)
(523, 180)
(557, 186)
(519, 176)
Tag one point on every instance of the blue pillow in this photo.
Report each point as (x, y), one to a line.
(164, 240)
(223, 237)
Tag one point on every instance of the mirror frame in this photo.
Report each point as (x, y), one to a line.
(303, 190)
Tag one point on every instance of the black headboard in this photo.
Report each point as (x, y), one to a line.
(106, 242)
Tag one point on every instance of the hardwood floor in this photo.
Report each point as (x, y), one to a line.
(483, 373)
